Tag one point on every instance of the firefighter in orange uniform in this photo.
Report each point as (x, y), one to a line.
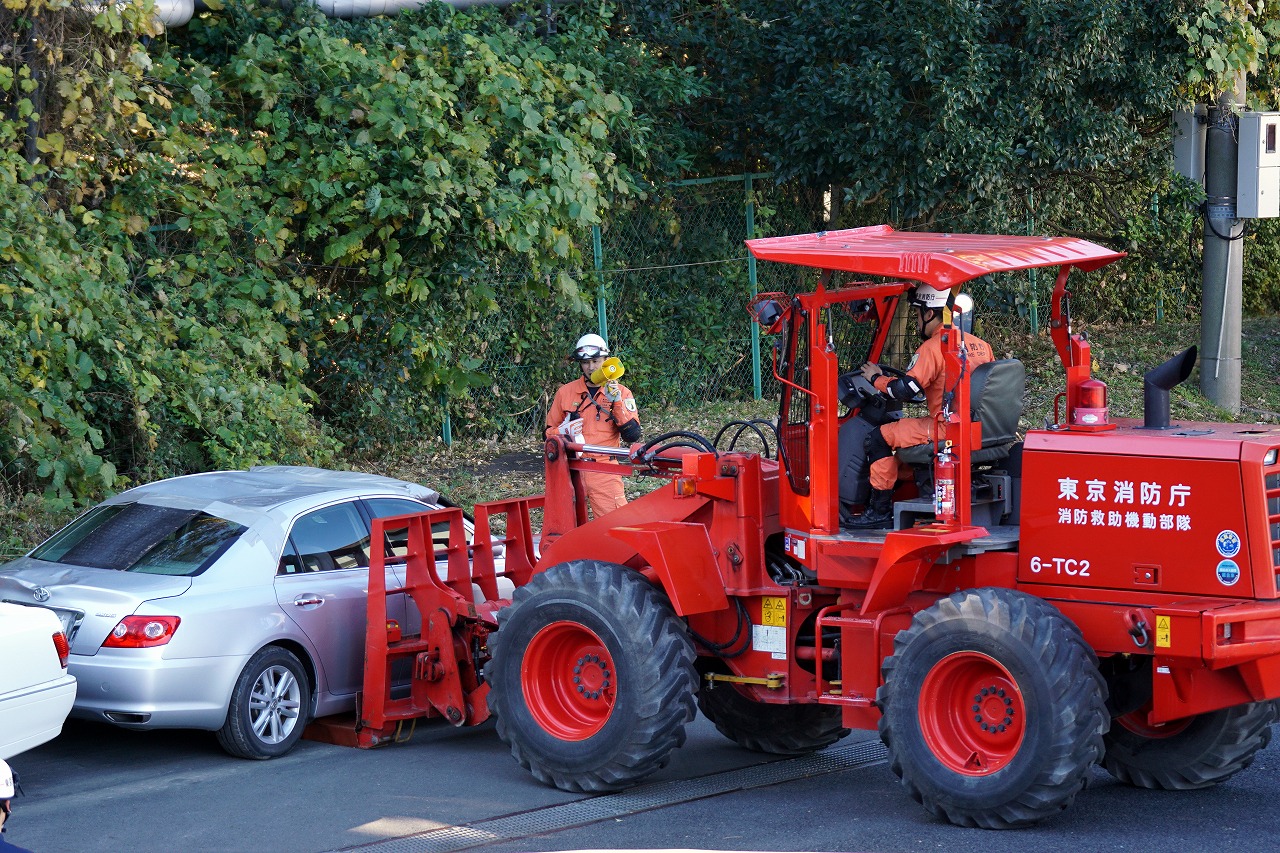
(924, 373)
(595, 414)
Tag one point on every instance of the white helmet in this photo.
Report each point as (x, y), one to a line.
(925, 296)
(590, 346)
(6, 782)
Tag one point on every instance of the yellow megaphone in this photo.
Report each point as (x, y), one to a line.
(610, 370)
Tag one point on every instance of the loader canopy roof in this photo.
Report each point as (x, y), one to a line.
(940, 260)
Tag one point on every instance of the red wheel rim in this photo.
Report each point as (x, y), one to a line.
(1138, 723)
(569, 681)
(972, 714)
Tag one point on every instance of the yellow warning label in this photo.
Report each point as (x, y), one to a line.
(1164, 632)
(774, 611)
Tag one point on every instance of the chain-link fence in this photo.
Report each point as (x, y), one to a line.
(671, 280)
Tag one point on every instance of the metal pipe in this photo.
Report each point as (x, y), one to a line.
(600, 450)
(1223, 261)
(177, 13)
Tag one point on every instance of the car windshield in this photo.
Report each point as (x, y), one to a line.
(138, 537)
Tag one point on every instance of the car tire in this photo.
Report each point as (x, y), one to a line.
(1185, 755)
(592, 678)
(270, 706)
(993, 709)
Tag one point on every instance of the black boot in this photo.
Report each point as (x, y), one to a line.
(879, 512)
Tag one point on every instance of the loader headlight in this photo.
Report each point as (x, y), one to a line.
(1270, 458)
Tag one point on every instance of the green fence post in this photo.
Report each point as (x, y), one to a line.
(597, 250)
(751, 277)
(446, 423)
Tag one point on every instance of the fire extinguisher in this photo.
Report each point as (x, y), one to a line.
(944, 485)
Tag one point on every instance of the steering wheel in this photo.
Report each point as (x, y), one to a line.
(899, 374)
(856, 390)
(893, 371)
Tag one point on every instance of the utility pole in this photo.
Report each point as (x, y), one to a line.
(1223, 258)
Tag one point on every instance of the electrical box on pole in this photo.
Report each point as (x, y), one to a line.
(1258, 180)
(1188, 141)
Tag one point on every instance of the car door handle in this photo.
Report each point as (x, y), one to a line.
(307, 601)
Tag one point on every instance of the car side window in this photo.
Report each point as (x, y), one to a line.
(335, 537)
(397, 544)
(290, 563)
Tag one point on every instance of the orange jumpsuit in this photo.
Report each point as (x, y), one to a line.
(601, 422)
(926, 368)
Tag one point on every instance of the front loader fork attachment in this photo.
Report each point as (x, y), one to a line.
(517, 543)
(444, 676)
(444, 679)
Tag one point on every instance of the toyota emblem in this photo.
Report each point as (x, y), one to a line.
(40, 594)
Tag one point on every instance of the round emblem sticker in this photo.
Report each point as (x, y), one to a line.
(1228, 572)
(1228, 543)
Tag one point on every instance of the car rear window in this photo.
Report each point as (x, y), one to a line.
(154, 540)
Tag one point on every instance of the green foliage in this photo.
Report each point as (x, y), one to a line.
(926, 102)
(270, 234)
(1225, 38)
(67, 319)
(1037, 116)
(1261, 272)
(276, 232)
(403, 168)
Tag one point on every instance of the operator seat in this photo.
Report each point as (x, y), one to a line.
(996, 389)
(852, 469)
(874, 408)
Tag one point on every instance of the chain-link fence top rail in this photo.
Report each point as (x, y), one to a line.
(673, 278)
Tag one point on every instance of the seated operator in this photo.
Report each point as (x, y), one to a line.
(924, 373)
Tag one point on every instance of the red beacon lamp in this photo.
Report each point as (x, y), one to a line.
(1091, 403)
(1085, 396)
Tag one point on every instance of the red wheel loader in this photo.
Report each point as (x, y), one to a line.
(1099, 590)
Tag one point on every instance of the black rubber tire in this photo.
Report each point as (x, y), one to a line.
(773, 729)
(1051, 673)
(1211, 748)
(256, 732)
(653, 678)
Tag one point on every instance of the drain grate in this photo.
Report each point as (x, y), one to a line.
(642, 798)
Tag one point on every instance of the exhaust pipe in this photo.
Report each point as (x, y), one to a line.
(1156, 383)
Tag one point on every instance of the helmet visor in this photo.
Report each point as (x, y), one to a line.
(588, 352)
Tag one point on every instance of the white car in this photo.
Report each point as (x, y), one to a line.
(36, 692)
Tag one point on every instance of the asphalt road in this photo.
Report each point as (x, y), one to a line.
(97, 788)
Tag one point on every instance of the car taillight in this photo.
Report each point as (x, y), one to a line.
(64, 648)
(141, 632)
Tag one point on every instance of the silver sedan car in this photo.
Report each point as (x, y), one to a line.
(231, 601)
